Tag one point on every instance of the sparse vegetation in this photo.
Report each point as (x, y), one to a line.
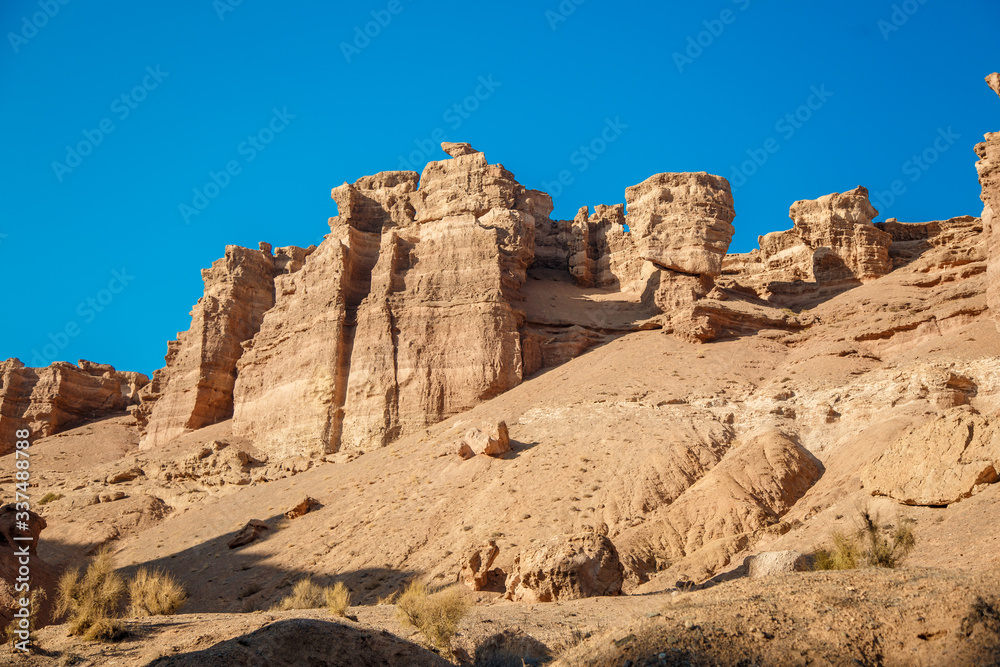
(90, 602)
(49, 497)
(868, 546)
(309, 595)
(435, 615)
(155, 593)
(338, 599)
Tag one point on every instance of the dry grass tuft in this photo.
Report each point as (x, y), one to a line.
(338, 599)
(155, 593)
(436, 615)
(309, 595)
(868, 546)
(90, 602)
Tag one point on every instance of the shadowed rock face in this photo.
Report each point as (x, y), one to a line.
(195, 389)
(989, 177)
(52, 399)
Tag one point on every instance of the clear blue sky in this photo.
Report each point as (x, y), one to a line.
(557, 81)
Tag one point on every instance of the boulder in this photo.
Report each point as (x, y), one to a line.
(304, 507)
(568, 568)
(195, 388)
(49, 400)
(249, 533)
(938, 462)
(476, 572)
(490, 441)
(770, 563)
(682, 222)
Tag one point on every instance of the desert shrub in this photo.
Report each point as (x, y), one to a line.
(338, 599)
(435, 615)
(305, 595)
(49, 497)
(154, 593)
(869, 545)
(309, 595)
(90, 601)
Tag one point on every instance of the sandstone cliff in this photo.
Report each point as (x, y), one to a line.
(195, 388)
(52, 399)
(405, 315)
(989, 176)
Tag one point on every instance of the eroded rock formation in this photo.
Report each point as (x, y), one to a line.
(939, 462)
(405, 314)
(52, 399)
(989, 176)
(832, 245)
(682, 222)
(567, 568)
(195, 388)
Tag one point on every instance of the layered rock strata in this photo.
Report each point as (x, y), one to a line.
(989, 177)
(195, 388)
(404, 316)
(49, 400)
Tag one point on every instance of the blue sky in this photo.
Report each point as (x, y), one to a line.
(283, 102)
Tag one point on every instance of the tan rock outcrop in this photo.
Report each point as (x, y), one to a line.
(682, 222)
(195, 388)
(49, 400)
(832, 245)
(750, 489)
(404, 315)
(938, 462)
(601, 252)
(43, 575)
(566, 568)
(476, 566)
(989, 177)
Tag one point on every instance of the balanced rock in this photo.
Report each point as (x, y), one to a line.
(682, 222)
(457, 149)
(770, 563)
(48, 400)
(568, 568)
(938, 462)
(195, 388)
(989, 177)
